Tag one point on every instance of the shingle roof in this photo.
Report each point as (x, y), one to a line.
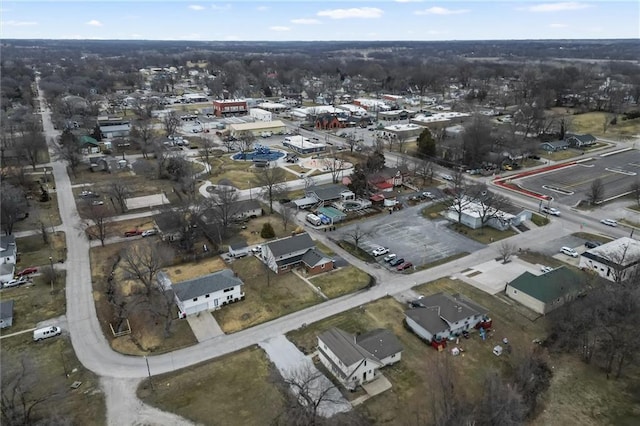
(238, 244)
(211, 283)
(556, 144)
(380, 343)
(624, 252)
(329, 192)
(6, 309)
(247, 205)
(8, 245)
(313, 258)
(291, 244)
(550, 286)
(453, 308)
(342, 344)
(428, 318)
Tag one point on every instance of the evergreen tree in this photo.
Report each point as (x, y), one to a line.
(426, 145)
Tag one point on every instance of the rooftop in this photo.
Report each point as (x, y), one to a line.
(206, 284)
(550, 286)
(291, 244)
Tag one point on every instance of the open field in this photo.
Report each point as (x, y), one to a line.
(51, 367)
(560, 155)
(484, 235)
(235, 389)
(32, 251)
(593, 122)
(241, 174)
(267, 296)
(342, 281)
(145, 338)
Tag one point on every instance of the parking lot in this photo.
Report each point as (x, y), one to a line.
(571, 184)
(412, 237)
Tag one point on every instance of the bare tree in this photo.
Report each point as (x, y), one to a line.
(596, 192)
(144, 134)
(228, 143)
(98, 224)
(13, 206)
(501, 404)
(351, 141)
(424, 169)
(312, 392)
(532, 378)
(32, 146)
(402, 140)
(334, 165)
(287, 213)
(246, 140)
(635, 191)
(68, 150)
(272, 182)
(119, 192)
(461, 194)
(489, 205)
(224, 207)
(506, 250)
(171, 122)
(144, 260)
(356, 235)
(206, 153)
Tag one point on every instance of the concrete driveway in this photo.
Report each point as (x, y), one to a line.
(204, 326)
(412, 237)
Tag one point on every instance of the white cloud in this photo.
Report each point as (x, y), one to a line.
(355, 12)
(279, 28)
(262, 8)
(19, 23)
(196, 7)
(94, 23)
(305, 21)
(557, 7)
(436, 10)
(220, 6)
(558, 25)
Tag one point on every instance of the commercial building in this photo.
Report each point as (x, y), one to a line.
(225, 107)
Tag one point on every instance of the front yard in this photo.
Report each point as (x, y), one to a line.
(342, 281)
(267, 296)
(32, 250)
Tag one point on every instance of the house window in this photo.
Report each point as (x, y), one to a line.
(226, 290)
(229, 297)
(323, 266)
(195, 299)
(365, 363)
(515, 291)
(393, 356)
(206, 296)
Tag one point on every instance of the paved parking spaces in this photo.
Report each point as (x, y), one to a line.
(571, 184)
(414, 238)
(493, 276)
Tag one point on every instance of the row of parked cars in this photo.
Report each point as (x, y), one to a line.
(22, 277)
(392, 259)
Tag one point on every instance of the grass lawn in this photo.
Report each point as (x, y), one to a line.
(433, 211)
(241, 173)
(267, 296)
(296, 168)
(47, 364)
(34, 252)
(592, 237)
(324, 249)
(252, 233)
(342, 281)
(235, 389)
(483, 235)
(635, 207)
(358, 252)
(442, 261)
(117, 229)
(145, 338)
(560, 155)
(187, 271)
(535, 257)
(40, 212)
(593, 122)
(539, 220)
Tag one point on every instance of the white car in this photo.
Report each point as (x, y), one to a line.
(569, 251)
(389, 257)
(380, 251)
(546, 269)
(149, 232)
(16, 282)
(551, 210)
(447, 177)
(609, 222)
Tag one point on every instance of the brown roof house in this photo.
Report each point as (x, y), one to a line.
(356, 359)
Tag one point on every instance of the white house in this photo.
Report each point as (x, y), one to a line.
(356, 359)
(7, 272)
(238, 248)
(260, 114)
(205, 293)
(476, 214)
(442, 316)
(8, 249)
(283, 255)
(615, 261)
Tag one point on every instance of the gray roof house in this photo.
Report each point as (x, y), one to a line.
(442, 316)
(356, 359)
(285, 254)
(205, 293)
(327, 193)
(580, 140)
(554, 146)
(8, 249)
(6, 313)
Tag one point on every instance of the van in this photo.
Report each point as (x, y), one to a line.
(45, 333)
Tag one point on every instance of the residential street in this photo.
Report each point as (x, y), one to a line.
(94, 352)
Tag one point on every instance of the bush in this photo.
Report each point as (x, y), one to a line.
(631, 115)
(267, 231)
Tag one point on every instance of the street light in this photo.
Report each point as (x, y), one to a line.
(52, 272)
(250, 195)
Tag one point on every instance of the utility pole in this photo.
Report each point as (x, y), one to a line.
(53, 273)
(149, 371)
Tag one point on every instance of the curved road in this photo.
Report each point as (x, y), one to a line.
(94, 352)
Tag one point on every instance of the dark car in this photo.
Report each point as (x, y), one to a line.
(396, 262)
(591, 244)
(405, 265)
(27, 271)
(132, 233)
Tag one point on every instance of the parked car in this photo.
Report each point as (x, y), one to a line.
(550, 210)
(16, 282)
(27, 271)
(447, 177)
(389, 257)
(405, 265)
(89, 194)
(609, 222)
(397, 261)
(546, 269)
(149, 232)
(256, 249)
(45, 333)
(428, 195)
(132, 233)
(97, 203)
(569, 251)
(380, 251)
(591, 244)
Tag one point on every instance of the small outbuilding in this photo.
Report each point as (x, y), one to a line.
(6, 313)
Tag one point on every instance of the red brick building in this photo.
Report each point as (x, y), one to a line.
(224, 107)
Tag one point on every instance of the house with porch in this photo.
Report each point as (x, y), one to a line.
(442, 316)
(325, 195)
(357, 359)
(283, 255)
(8, 249)
(554, 146)
(580, 141)
(205, 293)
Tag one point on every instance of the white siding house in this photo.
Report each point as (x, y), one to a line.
(615, 261)
(8, 249)
(206, 293)
(356, 359)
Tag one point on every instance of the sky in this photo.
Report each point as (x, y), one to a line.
(311, 20)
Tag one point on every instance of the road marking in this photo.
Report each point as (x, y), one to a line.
(623, 172)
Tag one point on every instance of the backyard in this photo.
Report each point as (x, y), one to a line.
(33, 251)
(342, 281)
